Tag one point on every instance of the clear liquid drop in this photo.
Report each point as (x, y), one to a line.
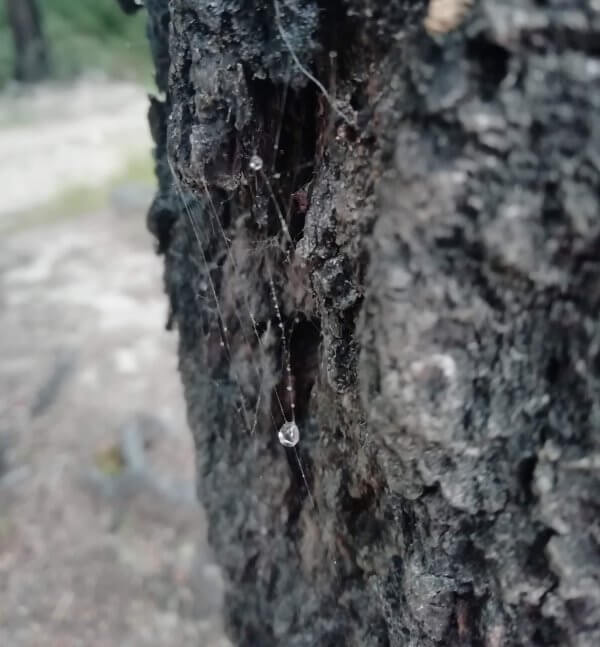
(289, 434)
(256, 163)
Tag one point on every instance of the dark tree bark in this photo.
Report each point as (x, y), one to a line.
(440, 299)
(31, 47)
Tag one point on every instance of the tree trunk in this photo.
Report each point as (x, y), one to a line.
(423, 226)
(31, 48)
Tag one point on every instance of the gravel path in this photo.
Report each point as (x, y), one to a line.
(101, 540)
(54, 137)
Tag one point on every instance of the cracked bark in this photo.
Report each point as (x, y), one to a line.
(445, 281)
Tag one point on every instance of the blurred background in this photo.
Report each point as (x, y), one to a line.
(101, 539)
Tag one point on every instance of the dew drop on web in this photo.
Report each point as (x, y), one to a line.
(256, 163)
(289, 434)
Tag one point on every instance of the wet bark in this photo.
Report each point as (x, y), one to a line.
(31, 48)
(439, 296)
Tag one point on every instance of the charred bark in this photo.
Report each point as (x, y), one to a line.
(440, 298)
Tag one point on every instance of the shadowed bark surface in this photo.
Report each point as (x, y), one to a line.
(439, 297)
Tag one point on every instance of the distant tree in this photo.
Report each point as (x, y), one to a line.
(130, 6)
(32, 61)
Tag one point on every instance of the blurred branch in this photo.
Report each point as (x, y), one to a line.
(130, 6)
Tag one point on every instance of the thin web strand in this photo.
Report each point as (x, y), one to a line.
(289, 388)
(211, 284)
(303, 69)
(237, 272)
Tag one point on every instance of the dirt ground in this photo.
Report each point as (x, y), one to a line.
(101, 540)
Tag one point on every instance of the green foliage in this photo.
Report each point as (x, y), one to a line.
(87, 36)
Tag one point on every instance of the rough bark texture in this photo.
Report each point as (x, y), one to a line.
(440, 301)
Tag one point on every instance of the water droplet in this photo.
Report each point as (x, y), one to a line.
(256, 163)
(289, 434)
